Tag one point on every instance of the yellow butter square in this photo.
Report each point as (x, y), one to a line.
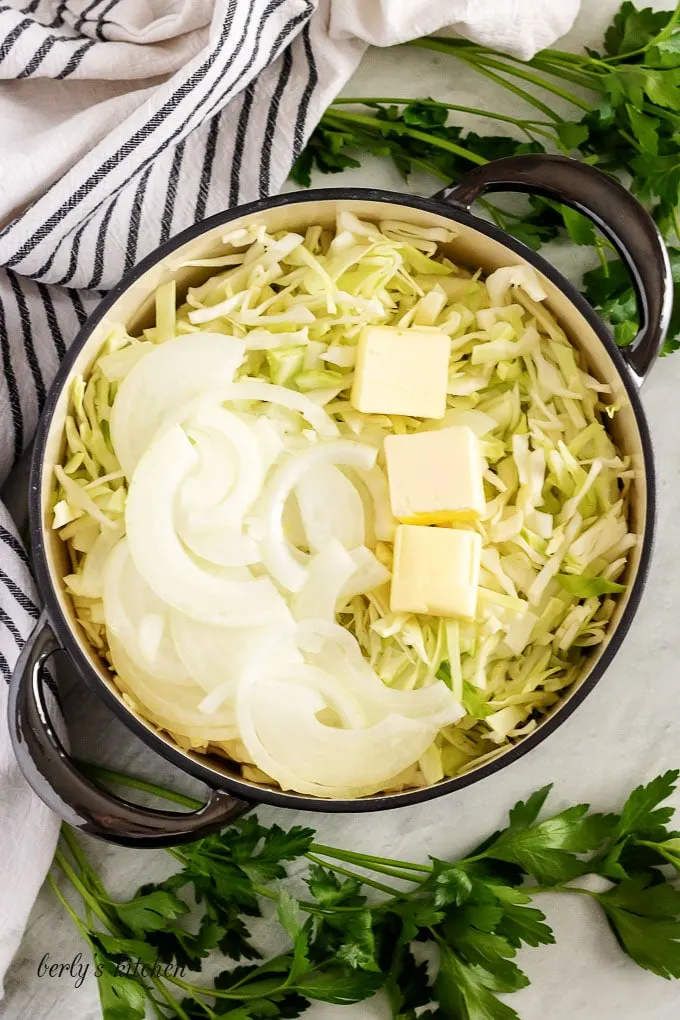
(401, 371)
(436, 477)
(435, 571)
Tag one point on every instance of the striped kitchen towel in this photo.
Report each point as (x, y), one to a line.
(121, 123)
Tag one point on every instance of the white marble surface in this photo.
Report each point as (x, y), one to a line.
(627, 730)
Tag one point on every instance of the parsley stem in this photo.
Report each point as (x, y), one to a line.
(382, 127)
(368, 859)
(575, 58)
(85, 893)
(85, 933)
(390, 890)
(87, 873)
(585, 79)
(170, 999)
(440, 46)
(365, 100)
(98, 772)
(428, 167)
(218, 993)
(499, 65)
(77, 920)
(532, 889)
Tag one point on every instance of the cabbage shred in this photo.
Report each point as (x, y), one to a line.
(555, 533)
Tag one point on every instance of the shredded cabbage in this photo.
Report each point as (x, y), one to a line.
(227, 518)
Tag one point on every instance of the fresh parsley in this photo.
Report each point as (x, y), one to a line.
(366, 920)
(624, 118)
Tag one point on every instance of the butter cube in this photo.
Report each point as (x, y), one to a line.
(401, 371)
(436, 571)
(435, 477)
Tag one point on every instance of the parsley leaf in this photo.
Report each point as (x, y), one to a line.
(121, 998)
(150, 911)
(526, 813)
(519, 923)
(408, 986)
(339, 985)
(548, 850)
(358, 948)
(466, 991)
(644, 919)
(331, 890)
(632, 29)
(641, 815)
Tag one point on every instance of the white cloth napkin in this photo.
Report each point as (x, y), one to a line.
(122, 122)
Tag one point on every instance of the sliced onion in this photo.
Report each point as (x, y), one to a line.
(327, 575)
(214, 656)
(268, 437)
(276, 645)
(220, 595)
(369, 573)
(251, 389)
(223, 546)
(303, 754)
(376, 482)
(129, 603)
(330, 508)
(89, 583)
(341, 701)
(215, 472)
(334, 649)
(166, 378)
(277, 553)
(175, 711)
(220, 437)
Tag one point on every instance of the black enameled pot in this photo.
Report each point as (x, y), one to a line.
(42, 756)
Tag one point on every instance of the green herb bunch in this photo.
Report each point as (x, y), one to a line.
(623, 117)
(369, 923)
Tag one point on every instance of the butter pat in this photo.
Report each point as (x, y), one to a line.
(435, 477)
(401, 371)
(436, 571)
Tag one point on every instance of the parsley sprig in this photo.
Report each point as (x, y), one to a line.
(363, 921)
(624, 117)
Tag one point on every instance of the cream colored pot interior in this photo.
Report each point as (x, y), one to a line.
(470, 248)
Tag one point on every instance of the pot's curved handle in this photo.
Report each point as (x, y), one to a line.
(620, 217)
(50, 771)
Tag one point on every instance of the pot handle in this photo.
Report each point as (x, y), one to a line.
(50, 771)
(620, 217)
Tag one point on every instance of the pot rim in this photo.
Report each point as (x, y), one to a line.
(189, 763)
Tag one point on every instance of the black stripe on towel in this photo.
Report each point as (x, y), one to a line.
(38, 57)
(312, 82)
(4, 668)
(52, 321)
(11, 626)
(13, 543)
(12, 388)
(75, 60)
(16, 32)
(272, 117)
(27, 335)
(21, 598)
(206, 172)
(135, 219)
(171, 191)
(100, 246)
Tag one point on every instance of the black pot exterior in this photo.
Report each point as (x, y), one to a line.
(248, 793)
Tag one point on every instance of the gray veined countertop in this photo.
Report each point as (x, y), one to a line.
(626, 731)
